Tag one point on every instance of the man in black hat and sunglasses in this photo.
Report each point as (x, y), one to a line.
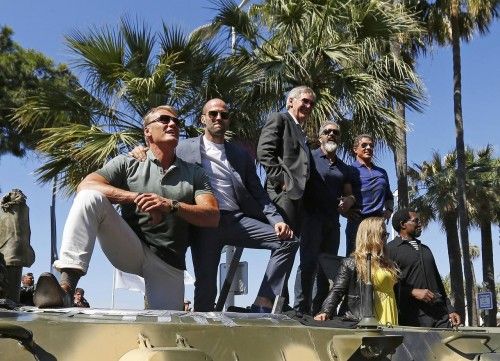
(158, 198)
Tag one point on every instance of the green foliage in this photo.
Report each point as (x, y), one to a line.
(128, 70)
(434, 191)
(472, 16)
(340, 49)
(23, 73)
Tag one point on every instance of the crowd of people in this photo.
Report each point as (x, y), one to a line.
(204, 193)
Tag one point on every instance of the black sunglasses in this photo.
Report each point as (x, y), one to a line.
(214, 113)
(165, 119)
(331, 131)
(365, 145)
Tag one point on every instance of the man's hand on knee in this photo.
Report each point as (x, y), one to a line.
(283, 231)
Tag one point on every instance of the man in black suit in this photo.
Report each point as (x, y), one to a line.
(285, 155)
(248, 218)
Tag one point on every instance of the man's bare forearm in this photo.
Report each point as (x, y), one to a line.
(204, 213)
(115, 195)
(198, 215)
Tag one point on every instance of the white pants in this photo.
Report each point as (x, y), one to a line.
(91, 216)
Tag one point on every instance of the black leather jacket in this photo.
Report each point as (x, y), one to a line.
(345, 284)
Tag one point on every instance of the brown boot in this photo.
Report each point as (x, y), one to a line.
(49, 294)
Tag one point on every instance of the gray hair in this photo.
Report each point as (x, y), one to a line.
(327, 123)
(297, 92)
(149, 114)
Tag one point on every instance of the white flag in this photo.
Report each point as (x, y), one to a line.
(129, 281)
(135, 283)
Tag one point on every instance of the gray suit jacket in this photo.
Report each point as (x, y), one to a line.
(283, 152)
(251, 196)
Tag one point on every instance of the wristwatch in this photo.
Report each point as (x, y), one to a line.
(175, 205)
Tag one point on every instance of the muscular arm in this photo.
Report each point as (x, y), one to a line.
(98, 183)
(204, 213)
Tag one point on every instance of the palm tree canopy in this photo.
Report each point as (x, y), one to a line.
(126, 71)
(340, 49)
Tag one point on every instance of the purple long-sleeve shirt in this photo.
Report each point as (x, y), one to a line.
(370, 187)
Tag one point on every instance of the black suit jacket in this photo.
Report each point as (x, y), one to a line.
(251, 196)
(284, 154)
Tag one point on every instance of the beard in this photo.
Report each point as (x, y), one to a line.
(330, 147)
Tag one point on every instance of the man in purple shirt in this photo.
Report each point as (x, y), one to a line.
(370, 186)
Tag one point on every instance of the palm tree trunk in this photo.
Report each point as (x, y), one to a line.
(400, 151)
(460, 174)
(475, 316)
(488, 270)
(401, 160)
(456, 275)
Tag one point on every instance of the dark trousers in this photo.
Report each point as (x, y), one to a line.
(291, 211)
(236, 229)
(320, 234)
(434, 316)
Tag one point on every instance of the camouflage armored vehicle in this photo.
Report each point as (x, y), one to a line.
(91, 334)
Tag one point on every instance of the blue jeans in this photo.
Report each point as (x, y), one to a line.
(238, 230)
(320, 234)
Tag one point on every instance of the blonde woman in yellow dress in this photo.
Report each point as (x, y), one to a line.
(353, 275)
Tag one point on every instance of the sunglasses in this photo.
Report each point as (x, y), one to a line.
(365, 145)
(214, 113)
(165, 119)
(331, 131)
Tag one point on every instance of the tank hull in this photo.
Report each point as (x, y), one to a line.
(158, 335)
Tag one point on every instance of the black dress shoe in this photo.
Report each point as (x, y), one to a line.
(49, 294)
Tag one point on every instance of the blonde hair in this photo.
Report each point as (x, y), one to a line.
(371, 238)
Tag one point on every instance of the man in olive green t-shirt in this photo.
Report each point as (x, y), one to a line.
(159, 198)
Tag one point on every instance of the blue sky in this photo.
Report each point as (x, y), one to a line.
(42, 26)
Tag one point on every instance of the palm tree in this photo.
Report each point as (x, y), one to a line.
(340, 49)
(22, 73)
(448, 23)
(474, 254)
(434, 187)
(485, 213)
(435, 196)
(127, 71)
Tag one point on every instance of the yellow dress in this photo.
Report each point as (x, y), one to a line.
(384, 299)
